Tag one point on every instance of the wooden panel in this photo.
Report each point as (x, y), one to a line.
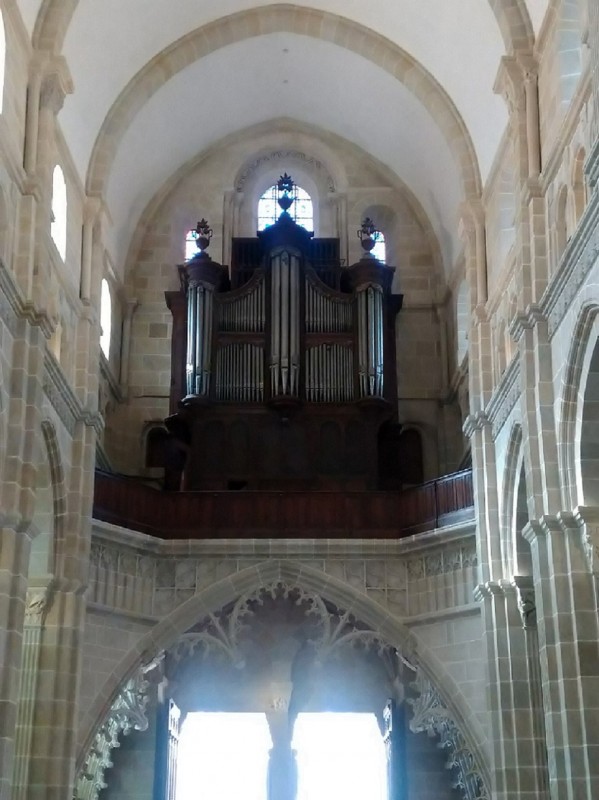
(295, 514)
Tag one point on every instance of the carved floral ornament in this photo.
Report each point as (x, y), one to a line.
(334, 631)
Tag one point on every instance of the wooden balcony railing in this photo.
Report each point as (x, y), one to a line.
(272, 514)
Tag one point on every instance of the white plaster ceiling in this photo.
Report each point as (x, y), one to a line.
(109, 41)
(445, 37)
(373, 110)
(537, 10)
(29, 10)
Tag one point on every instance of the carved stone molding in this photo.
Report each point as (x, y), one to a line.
(525, 595)
(37, 606)
(430, 715)
(127, 713)
(284, 155)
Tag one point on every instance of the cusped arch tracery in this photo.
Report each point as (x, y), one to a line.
(374, 622)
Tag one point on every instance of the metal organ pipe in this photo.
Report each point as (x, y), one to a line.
(370, 340)
(285, 356)
(200, 305)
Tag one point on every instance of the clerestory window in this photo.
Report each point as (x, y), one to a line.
(58, 227)
(301, 211)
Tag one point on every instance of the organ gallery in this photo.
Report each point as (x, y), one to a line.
(284, 367)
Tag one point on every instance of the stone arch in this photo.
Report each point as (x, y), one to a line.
(514, 23)
(463, 310)
(569, 49)
(50, 506)
(515, 550)
(215, 597)
(579, 189)
(269, 19)
(284, 141)
(54, 18)
(561, 223)
(575, 384)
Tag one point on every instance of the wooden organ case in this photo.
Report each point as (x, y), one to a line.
(283, 370)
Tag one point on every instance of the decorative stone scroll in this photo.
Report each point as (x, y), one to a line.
(127, 713)
(430, 715)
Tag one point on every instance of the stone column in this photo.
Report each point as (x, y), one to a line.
(568, 653)
(537, 398)
(38, 601)
(282, 767)
(592, 165)
(517, 732)
(17, 505)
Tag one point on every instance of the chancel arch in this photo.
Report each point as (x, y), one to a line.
(346, 614)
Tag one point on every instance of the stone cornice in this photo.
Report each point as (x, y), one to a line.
(580, 255)
(505, 396)
(108, 376)
(64, 400)
(22, 309)
(113, 535)
(526, 321)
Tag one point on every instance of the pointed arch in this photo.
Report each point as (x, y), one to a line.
(54, 18)
(266, 20)
(574, 384)
(50, 505)
(296, 575)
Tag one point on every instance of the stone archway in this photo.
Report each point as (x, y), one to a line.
(440, 708)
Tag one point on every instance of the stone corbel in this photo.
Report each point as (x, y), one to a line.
(525, 597)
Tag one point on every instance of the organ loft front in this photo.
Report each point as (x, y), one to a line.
(283, 365)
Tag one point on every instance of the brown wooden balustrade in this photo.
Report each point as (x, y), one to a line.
(271, 514)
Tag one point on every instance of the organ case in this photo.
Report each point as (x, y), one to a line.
(284, 369)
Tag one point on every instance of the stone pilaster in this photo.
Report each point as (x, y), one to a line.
(38, 601)
(519, 763)
(568, 655)
(484, 474)
(539, 440)
(17, 503)
(592, 165)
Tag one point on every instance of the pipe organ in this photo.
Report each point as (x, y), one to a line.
(284, 366)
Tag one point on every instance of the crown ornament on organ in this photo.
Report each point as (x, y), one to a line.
(204, 234)
(366, 235)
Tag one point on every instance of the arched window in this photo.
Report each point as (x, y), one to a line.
(301, 210)
(191, 247)
(58, 228)
(379, 250)
(105, 318)
(2, 59)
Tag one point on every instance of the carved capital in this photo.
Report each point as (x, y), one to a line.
(525, 594)
(56, 85)
(37, 606)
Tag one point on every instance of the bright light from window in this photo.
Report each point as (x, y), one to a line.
(58, 228)
(340, 755)
(223, 756)
(105, 318)
(378, 251)
(301, 211)
(191, 247)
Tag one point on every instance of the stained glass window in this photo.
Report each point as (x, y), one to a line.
(301, 210)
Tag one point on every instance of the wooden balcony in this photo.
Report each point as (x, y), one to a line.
(271, 514)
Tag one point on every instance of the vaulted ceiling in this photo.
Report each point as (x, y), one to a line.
(156, 82)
